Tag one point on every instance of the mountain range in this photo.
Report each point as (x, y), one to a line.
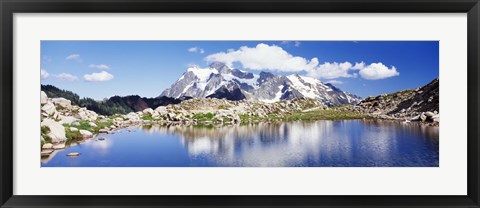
(221, 81)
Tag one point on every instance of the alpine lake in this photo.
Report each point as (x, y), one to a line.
(321, 143)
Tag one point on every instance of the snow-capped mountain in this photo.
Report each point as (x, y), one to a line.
(221, 81)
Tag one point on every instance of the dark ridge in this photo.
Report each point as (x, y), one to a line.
(112, 105)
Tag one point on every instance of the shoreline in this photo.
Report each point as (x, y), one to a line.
(96, 137)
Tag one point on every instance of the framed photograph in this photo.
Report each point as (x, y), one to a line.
(239, 104)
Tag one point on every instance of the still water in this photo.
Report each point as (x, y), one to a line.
(345, 143)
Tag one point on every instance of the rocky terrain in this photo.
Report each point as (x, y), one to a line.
(63, 123)
(419, 104)
(221, 81)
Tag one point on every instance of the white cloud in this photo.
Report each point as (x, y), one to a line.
(98, 77)
(376, 71)
(196, 50)
(334, 82)
(331, 70)
(264, 57)
(275, 58)
(295, 43)
(65, 76)
(44, 74)
(73, 57)
(99, 66)
(359, 66)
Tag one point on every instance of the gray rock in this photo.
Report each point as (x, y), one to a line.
(43, 98)
(103, 131)
(57, 131)
(92, 124)
(86, 134)
(423, 117)
(73, 154)
(49, 108)
(47, 146)
(67, 104)
(46, 152)
(68, 120)
(59, 146)
(429, 114)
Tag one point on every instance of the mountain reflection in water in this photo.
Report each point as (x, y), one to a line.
(350, 143)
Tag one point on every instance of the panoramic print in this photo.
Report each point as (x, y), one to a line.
(239, 104)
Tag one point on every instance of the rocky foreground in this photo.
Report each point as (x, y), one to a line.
(63, 123)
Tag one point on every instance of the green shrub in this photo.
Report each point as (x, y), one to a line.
(72, 136)
(45, 130)
(203, 116)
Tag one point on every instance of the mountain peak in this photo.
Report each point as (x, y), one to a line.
(221, 81)
(220, 66)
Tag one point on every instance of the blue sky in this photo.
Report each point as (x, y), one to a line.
(101, 69)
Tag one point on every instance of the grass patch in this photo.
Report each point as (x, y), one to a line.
(203, 116)
(84, 125)
(44, 133)
(72, 136)
(330, 114)
(59, 108)
(45, 130)
(149, 117)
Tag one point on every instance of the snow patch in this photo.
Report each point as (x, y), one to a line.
(203, 73)
(277, 97)
(306, 91)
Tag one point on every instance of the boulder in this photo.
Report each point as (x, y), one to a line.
(86, 134)
(67, 104)
(73, 154)
(75, 123)
(91, 115)
(132, 116)
(423, 117)
(429, 114)
(82, 115)
(103, 131)
(68, 120)
(47, 146)
(148, 110)
(85, 114)
(57, 131)
(59, 146)
(172, 117)
(46, 152)
(73, 129)
(92, 124)
(49, 108)
(43, 98)
(57, 116)
(162, 110)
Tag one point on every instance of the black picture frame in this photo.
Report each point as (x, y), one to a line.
(9, 7)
